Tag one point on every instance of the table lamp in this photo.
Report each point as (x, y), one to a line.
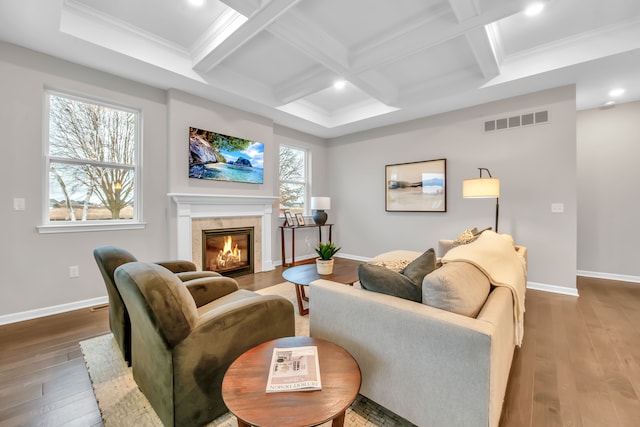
(320, 204)
(482, 188)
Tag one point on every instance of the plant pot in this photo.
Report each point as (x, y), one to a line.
(324, 266)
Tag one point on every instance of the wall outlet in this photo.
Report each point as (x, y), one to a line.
(18, 204)
(74, 271)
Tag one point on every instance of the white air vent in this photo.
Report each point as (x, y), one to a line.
(516, 121)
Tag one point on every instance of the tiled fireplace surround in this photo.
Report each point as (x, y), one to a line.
(197, 212)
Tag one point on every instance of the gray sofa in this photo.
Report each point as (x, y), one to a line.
(432, 366)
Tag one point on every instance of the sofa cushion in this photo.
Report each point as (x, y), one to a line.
(403, 284)
(394, 260)
(458, 287)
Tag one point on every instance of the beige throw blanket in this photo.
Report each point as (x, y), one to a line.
(496, 257)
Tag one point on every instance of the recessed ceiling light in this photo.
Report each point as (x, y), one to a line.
(609, 103)
(340, 84)
(616, 92)
(534, 9)
(197, 3)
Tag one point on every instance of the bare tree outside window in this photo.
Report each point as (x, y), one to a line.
(293, 184)
(92, 161)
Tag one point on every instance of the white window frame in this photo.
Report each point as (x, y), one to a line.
(136, 222)
(307, 177)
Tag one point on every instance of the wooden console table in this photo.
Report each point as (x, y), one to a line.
(293, 240)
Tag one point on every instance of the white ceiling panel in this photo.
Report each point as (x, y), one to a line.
(521, 32)
(175, 21)
(269, 60)
(357, 22)
(402, 59)
(332, 99)
(453, 57)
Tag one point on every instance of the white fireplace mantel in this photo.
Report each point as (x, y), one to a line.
(190, 206)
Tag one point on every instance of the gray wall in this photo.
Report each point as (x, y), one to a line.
(608, 203)
(35, 267)
(536, 165)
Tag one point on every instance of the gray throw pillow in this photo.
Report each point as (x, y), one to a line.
(421, 266)
(406, 284)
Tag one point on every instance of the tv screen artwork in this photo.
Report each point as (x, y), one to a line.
(225, 158)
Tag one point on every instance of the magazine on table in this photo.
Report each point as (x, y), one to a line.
(294, 369)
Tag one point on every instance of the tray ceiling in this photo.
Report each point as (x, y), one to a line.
(400, 59)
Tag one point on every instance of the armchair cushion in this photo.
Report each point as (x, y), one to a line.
(178, 266)
(185, 276)
(207, 289)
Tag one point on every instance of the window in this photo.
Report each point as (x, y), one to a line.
(293, 179)
(91, 158)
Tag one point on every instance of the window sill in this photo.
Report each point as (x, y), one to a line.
(79, 227)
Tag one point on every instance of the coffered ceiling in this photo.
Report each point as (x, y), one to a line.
(400, 59)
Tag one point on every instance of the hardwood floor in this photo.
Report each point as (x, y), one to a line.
(579, 364)
(43, 378)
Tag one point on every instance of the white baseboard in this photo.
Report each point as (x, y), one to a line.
(609, 276)
(353, 257)
(48, 311)
(553, 288)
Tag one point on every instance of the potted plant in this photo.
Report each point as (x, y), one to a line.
(325, 251)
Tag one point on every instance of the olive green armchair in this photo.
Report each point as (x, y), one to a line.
(108, 259)
(185, 336)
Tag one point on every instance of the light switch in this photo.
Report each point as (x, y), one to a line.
(18, 204)
(557, 207)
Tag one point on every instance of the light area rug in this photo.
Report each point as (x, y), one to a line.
(121, 403)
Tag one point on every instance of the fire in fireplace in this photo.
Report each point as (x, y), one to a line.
(228, 251)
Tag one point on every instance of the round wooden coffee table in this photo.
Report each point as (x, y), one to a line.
(244, 387)
(302, 275)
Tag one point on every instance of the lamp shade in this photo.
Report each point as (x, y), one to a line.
(321, 203)
(481, 188)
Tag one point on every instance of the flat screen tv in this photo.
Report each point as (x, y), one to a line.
(221, 157)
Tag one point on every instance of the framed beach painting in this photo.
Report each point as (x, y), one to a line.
(416, 186)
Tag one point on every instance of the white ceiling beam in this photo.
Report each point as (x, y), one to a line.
(309, 39)
(242, 85)
(312, 81)
(244, 7)
(430, 33)
(478, 40)
(463, 9)
(256, 23)
(225, 25)
(377, 86)
(306, 36)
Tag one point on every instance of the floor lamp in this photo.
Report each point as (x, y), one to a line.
(483, 188)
